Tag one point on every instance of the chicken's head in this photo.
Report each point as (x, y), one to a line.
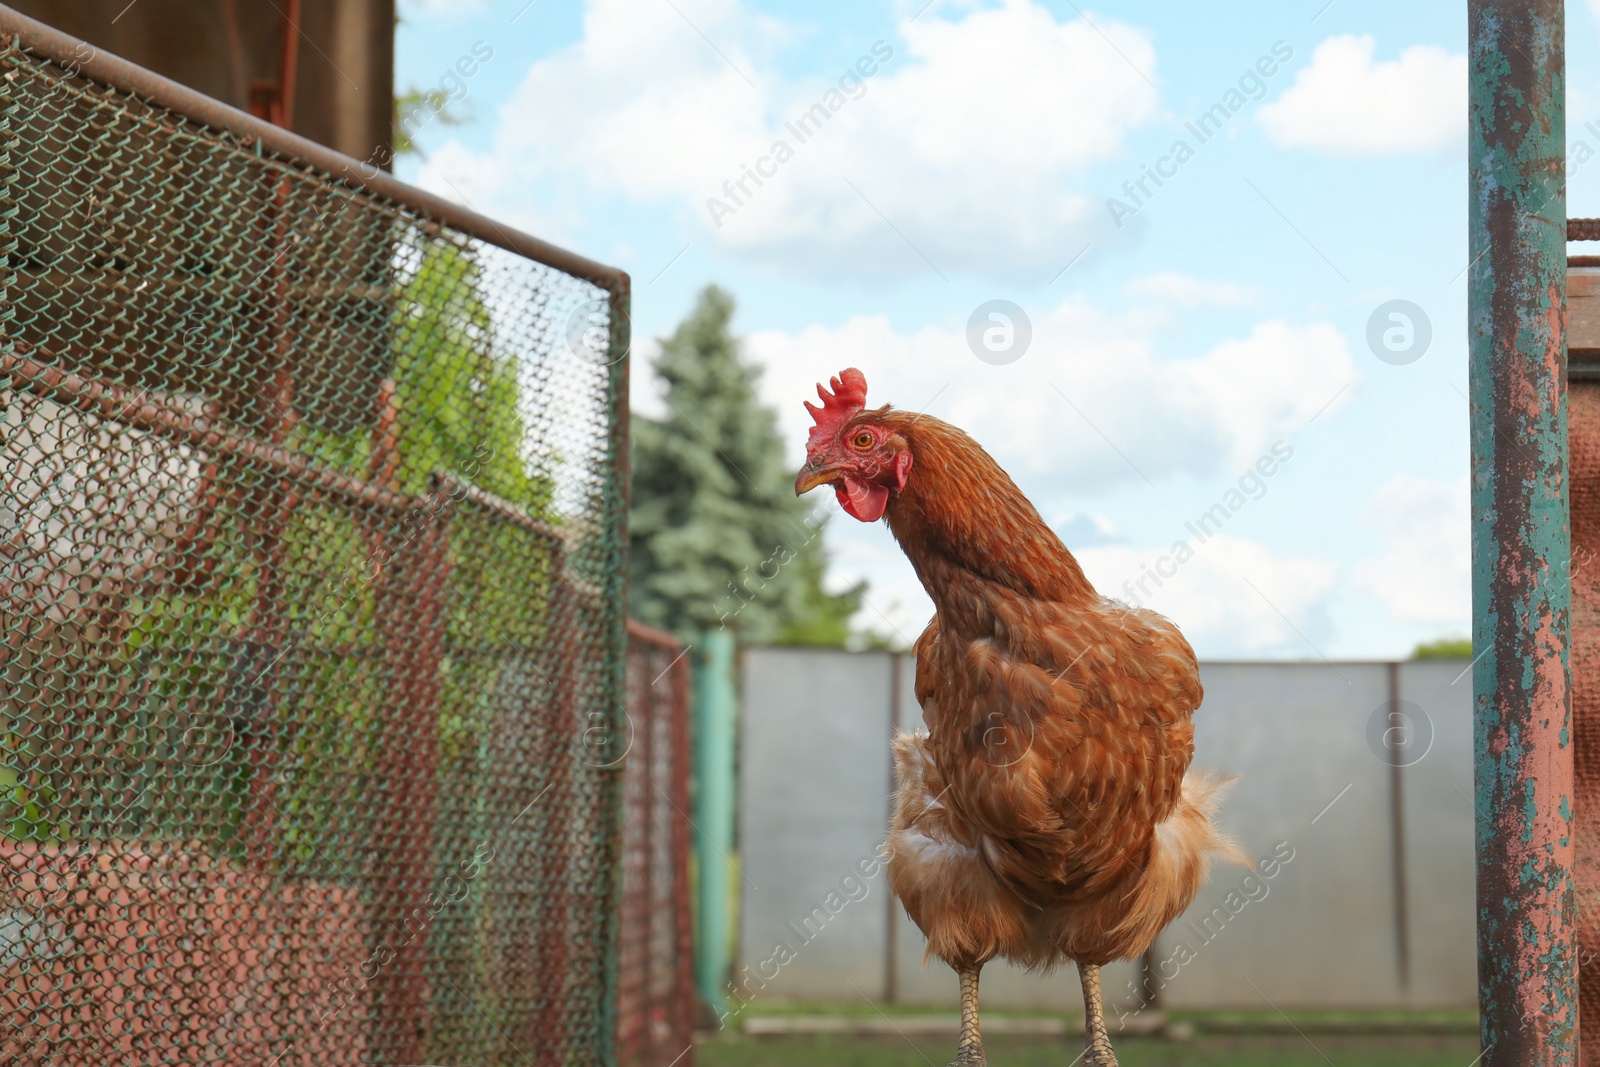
(854, 450)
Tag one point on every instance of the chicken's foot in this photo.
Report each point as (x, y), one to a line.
(1097, 1043)
(969, 1052)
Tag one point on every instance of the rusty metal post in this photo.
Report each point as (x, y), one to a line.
(1521, 591)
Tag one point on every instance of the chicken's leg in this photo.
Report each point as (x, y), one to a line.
(1097, 1042)
(969, 1053)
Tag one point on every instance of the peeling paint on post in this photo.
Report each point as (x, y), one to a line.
(1521, 595)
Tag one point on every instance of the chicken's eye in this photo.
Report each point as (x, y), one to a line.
(862, 440)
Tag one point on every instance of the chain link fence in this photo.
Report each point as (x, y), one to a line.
(312, 746)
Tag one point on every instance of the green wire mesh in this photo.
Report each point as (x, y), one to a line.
(311, 692)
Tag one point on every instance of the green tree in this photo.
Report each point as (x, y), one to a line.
(821, 618)
(1449, 648)
(413, 109)
(459, 398)
(718, 537)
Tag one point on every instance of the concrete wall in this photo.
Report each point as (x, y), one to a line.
(813, 799)
(1356, 808)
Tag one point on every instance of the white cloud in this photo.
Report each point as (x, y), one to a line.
(1085, 528)
(1345, 103)
(971, 139)
(1090, 403)
(1424, 572)
(1211, 600)
(1214, 410)
(461, 175)
(1184, 291)
(1209, 597)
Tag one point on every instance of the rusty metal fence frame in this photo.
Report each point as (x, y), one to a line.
(656, 1011)
(1521, 536)
(656, 991)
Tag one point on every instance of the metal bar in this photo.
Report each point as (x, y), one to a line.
(273, 409)
(411, 619)
(454, 488)
(644, 632)
(137, 409)
(682, 849)
(1395, 737)
(1527, 973)
(118, 73)
(546, 1035)
(642, 892)
(891, 930)
(715, 708)
(614, 616)
(290, 69)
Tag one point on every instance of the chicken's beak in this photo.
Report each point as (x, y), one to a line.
(811, 476)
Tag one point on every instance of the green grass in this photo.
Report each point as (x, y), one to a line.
(868, 1009)
(1308, 1020)
(1335, 1020)
(1203, 1051)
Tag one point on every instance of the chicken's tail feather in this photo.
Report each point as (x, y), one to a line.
(1205, 791)
(1186, 844)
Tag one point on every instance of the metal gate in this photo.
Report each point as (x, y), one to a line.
(311, 508)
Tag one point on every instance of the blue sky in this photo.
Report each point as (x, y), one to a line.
(1221, 326)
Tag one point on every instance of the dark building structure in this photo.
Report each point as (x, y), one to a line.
(322, 68)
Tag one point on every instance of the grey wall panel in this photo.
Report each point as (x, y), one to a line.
(1001, 985)
(1322, 932)
(814, 801)
(1437, 805)
(908, 712)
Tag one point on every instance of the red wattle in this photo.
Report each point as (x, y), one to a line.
(862, 500)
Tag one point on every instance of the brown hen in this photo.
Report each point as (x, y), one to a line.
(1048, 813)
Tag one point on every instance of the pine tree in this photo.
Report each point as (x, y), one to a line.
(717, 536)
(823, 618)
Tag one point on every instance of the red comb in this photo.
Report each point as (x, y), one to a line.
(848, 397)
